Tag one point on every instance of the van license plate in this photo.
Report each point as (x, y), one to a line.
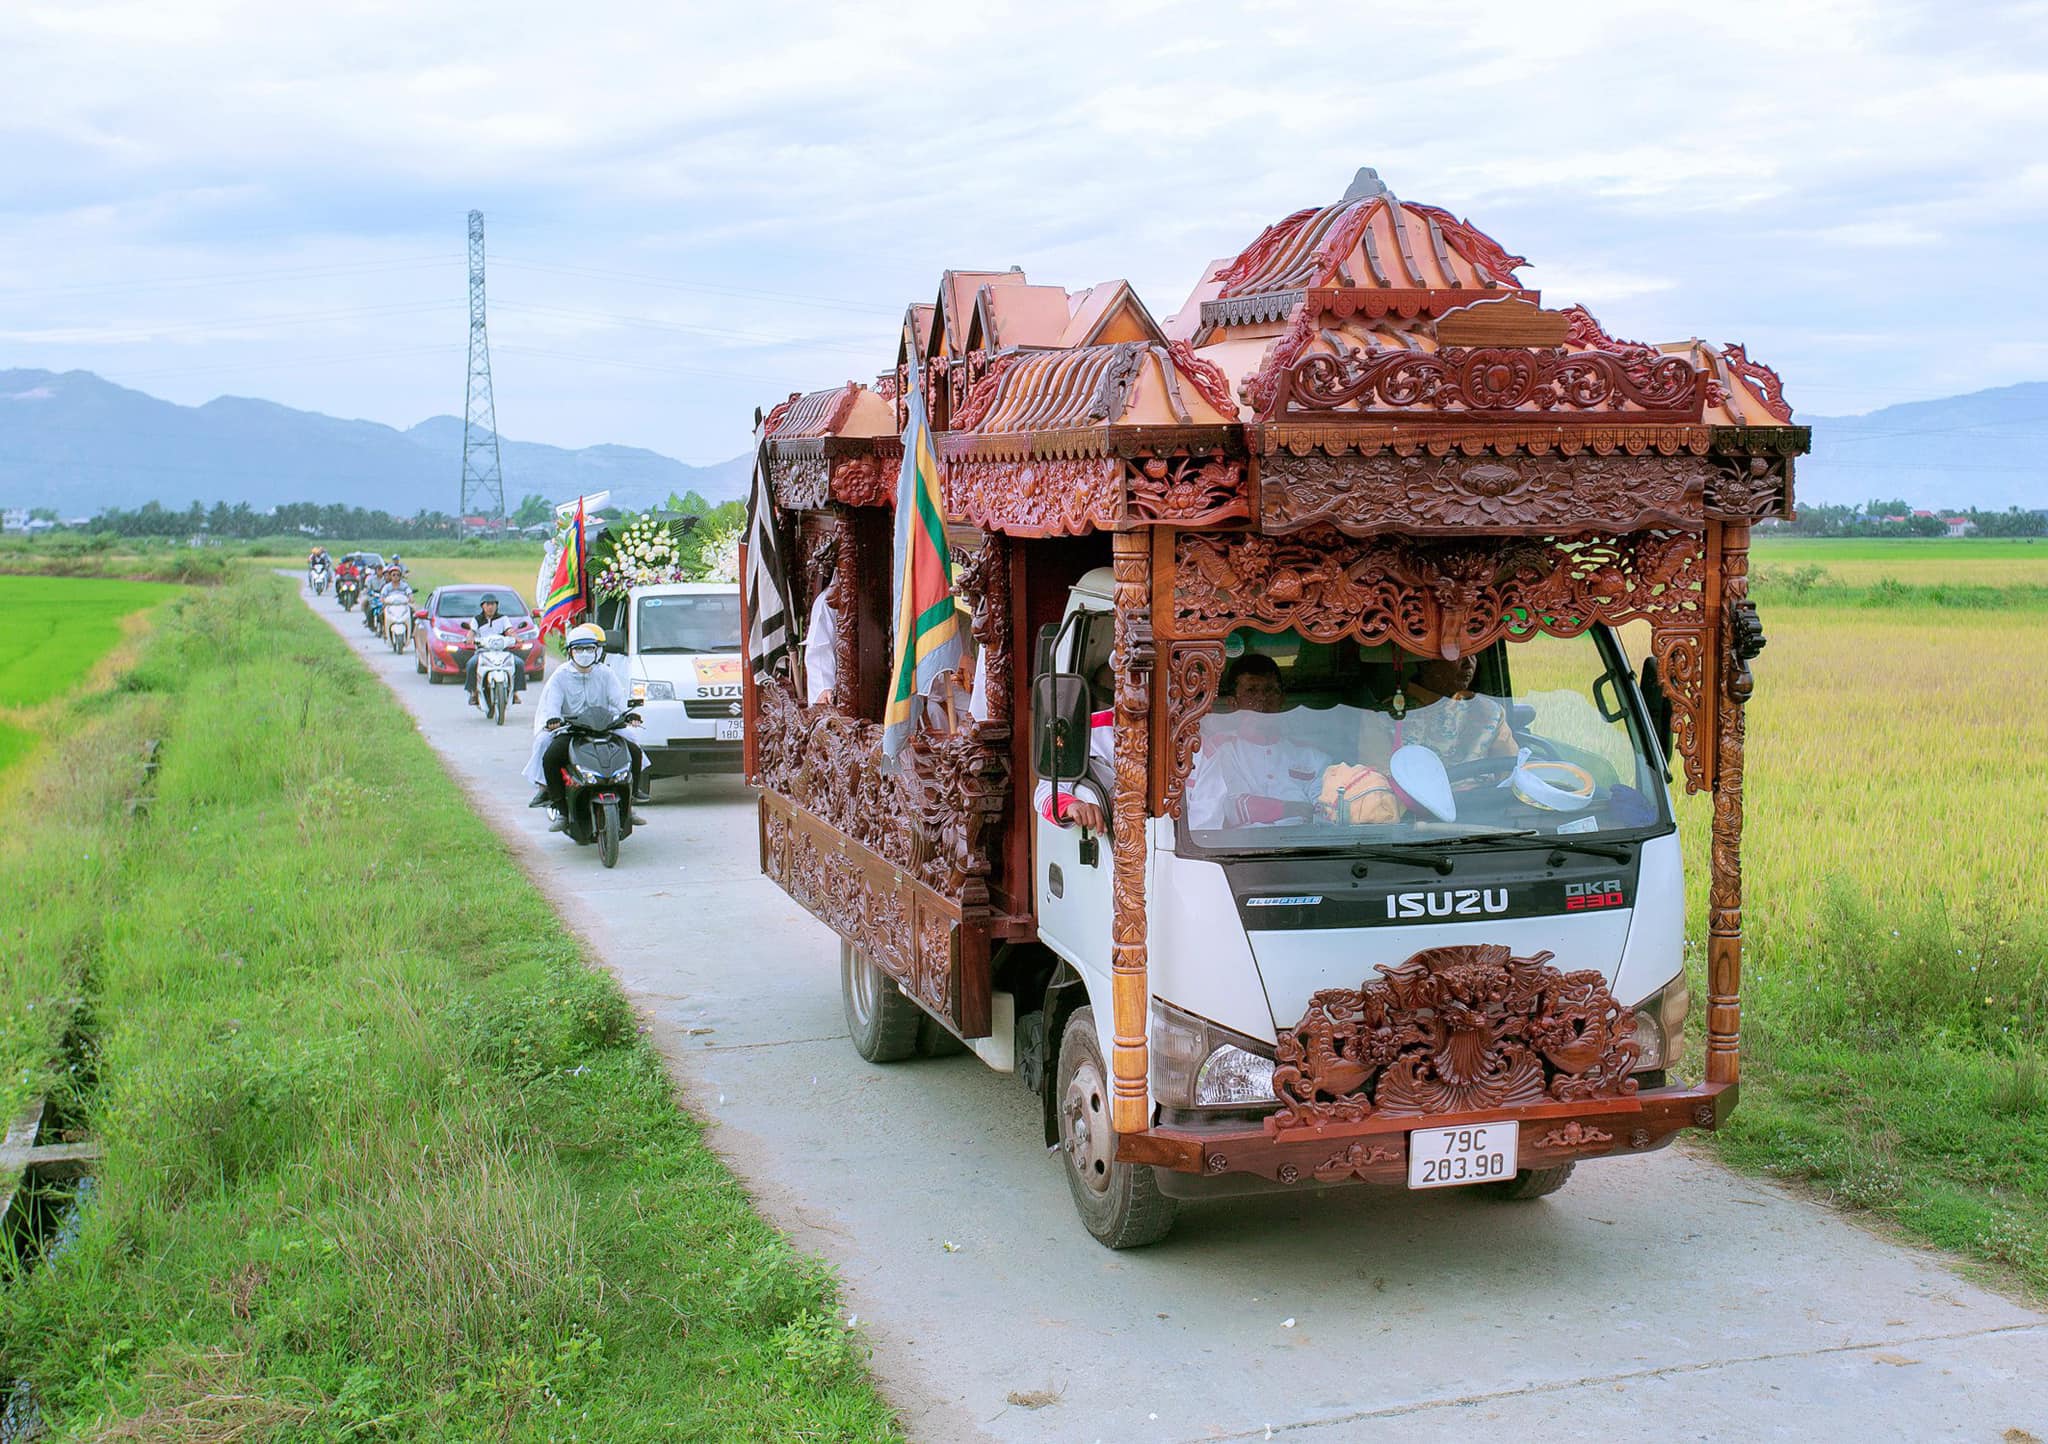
(1449, 1157)
(728, 731)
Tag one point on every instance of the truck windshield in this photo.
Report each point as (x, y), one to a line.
(691, 623)
(1315, 746)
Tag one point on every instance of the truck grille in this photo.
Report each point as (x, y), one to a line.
(708, 709)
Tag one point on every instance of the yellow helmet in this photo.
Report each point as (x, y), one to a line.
(588, 632)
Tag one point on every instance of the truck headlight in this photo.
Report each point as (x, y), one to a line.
(661, 692)
(1660, 1026)
(1197, 1064)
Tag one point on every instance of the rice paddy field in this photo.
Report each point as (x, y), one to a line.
(1896, 976)
(67, 629)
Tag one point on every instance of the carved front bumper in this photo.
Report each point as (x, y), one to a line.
(1453, 1036)
(1376, 1149)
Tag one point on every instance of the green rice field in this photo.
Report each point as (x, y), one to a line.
(64, 629)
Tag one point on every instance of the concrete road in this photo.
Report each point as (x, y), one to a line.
(1659, 1298)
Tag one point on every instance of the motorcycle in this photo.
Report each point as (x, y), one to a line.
(496, 666)
(398, 624)
(346, 589)
(597, 782)
(373, 612)
(318, 578)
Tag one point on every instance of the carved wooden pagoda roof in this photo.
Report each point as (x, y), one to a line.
(849, 410)
(1373, 365)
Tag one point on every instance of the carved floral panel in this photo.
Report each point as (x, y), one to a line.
(1427, 494)
(1452, 1030)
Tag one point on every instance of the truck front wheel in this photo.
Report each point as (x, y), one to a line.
(1120, 1203)
(881, 1021)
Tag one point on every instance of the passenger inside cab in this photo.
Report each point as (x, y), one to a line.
(1314, 743)
(1253, 773)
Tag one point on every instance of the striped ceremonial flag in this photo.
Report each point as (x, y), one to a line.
(767, 580)
(926, 635)
(565, 600)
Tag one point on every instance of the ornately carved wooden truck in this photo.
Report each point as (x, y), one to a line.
(1309, 954)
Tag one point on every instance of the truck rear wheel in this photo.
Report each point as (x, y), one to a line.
(1529, 1183)
(881, 1021)
(1119, 1203)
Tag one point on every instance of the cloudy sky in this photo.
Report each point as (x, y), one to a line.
(693, 208)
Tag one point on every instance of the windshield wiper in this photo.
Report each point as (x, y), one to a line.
(1612, 851)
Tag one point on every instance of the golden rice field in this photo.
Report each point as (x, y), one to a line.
(1896, 971)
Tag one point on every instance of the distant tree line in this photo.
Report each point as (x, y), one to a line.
(1898, 518)
(243, 521)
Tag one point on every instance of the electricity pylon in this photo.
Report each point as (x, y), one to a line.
(483, 480)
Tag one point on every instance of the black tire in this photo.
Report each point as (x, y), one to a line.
(1529, 1183)
(504, 705)
(419, 665)
(936, 1040)
(608, 834)
(1120, 1203)
(882, 1022)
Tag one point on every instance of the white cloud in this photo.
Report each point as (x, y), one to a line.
(1752, 168)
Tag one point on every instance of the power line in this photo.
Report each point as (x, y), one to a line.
(686, 328)
(233, 278)
(742, 292)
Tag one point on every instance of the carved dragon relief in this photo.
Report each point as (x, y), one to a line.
(1453, 494)
(1453, 1030)
(949, 789)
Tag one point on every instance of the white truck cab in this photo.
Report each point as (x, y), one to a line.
(679, 652)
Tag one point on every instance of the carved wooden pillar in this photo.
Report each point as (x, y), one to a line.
(1724, 891)
(1131, 993)
(845, 592)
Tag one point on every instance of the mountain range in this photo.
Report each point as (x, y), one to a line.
(1985, 449)
(78, 443)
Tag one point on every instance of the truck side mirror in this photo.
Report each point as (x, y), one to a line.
(615, 641)
(1059, 724)
(1048, 641)
(1658, 705)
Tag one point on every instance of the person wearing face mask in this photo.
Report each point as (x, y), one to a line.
(1249, 772)
(584, 684)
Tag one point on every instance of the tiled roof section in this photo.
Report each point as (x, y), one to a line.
(849, 410)
(1017, 315)
(1740, 392)
(1133, 383)
(955, 306)
(1371, 241)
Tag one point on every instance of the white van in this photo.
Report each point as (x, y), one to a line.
(679, 652)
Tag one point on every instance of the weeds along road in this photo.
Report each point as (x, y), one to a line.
(1662, 1296)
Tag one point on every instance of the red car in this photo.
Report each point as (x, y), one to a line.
(441, 648)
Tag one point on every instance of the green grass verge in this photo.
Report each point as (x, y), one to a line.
(384, 1157)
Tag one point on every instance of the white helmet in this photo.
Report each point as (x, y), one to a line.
(585, 644)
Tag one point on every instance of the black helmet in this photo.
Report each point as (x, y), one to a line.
(487, 600)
